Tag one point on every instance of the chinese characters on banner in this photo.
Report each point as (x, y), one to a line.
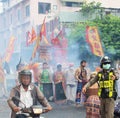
(93, 39)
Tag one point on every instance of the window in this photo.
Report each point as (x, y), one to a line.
(27, 9)
(73, 4)
(108, 12)
(44, 8)
(118, 10)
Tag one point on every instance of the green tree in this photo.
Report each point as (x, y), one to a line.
(108, 25)
(77, 39)
(91, 9)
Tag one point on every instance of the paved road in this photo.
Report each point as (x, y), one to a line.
(59, 111)
(66, 111)
(4, 109)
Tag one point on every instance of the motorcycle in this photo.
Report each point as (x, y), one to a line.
(32, 112)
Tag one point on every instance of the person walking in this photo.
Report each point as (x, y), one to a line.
(106, 91)
(92, 103)
(46, 82)
(71, 83)
(81, 77)
(59, 85)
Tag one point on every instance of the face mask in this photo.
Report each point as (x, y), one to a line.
(106, 66)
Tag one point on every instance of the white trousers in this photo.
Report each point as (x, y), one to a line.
(71, 92)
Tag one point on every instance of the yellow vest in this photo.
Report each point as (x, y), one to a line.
(106, 84)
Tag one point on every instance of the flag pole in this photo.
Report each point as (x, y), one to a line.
(38, 39)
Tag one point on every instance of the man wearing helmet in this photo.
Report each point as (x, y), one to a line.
(106, 79)
(28, 93)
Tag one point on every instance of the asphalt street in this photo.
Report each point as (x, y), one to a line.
(59, 111)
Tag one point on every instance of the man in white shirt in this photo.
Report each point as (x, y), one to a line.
(28, 94)
(71, 84)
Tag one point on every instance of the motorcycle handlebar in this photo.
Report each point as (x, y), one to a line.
(33, 110)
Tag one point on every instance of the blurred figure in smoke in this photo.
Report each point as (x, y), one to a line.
(70, 84)
(59, 81)
(35, 69)
(81, 76)
(2, 81)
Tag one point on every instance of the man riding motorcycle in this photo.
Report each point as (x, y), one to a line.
(28, 93)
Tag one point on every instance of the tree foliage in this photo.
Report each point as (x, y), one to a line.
(109, 27)
(109, 30)
(90, 8)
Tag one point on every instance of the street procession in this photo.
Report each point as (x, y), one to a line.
(60, 59)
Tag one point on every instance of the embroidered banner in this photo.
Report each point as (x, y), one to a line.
(93, 40)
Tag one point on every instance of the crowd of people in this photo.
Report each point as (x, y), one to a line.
(95, 90)
(65, 84)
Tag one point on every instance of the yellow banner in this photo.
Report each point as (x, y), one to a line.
(10, 49)
(93, 39)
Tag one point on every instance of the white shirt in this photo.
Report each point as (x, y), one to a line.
(70, 79)
(25, 97)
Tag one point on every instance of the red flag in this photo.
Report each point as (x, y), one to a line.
(31, 37)
(34, 52)
(43, 29)
(58, 39)
(55, 41)
(35, 48)
(28, 38)
(42, 33)
(93, 39)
